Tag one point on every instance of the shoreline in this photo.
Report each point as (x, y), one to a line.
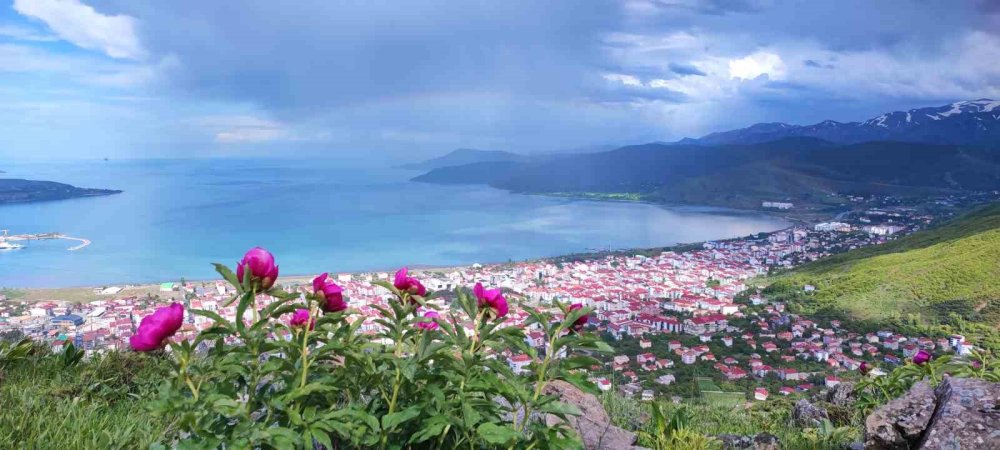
(791, 219)
(153, 286)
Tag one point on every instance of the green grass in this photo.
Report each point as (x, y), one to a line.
(933, 274)
(615, 196)
(99, 403)
(773, 417)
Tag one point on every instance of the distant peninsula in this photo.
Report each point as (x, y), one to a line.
(465, 156)
(25, 191)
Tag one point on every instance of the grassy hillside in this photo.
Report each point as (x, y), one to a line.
(933, 275)
(98, 403)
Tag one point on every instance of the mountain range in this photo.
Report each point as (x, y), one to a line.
(967, 122)
(918, 152)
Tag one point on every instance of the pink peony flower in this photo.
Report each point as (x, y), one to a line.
(332, 294)
(578, 325)
(921, 358)
(492, 299)
(261, 265)
(406, 283)
(864, 368)
(300, 317)
(429, 324)
(155, 328)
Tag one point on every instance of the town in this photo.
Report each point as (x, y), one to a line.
(684, 322)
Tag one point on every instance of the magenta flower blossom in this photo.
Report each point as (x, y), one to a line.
(261, 265)
(429, 323)
(155, 328)
(406, 283)
(492, 299)
(578, 325)
(921, 358)
(332, 295)
(299, 319)
(864, 368)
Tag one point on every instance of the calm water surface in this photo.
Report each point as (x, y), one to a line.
(177, 216)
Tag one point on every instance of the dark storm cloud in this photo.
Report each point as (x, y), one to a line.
(685, 69)
(535, 74)
(319, 54)
(817, 64)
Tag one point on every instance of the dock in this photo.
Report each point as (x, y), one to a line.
(45, 236)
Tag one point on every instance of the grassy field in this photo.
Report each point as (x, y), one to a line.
(99, 403)
(712, 394)
(952, 269)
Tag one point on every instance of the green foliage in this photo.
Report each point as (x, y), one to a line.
(826, 436)
(874, 391)
(264, 384)
(12, 352)
(71, 356)
(943, 277)
(671, 431)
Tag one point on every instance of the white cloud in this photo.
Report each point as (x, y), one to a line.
(245, 129)
(757, 64)
(85, 27)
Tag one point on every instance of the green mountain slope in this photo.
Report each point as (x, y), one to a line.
(933, 275)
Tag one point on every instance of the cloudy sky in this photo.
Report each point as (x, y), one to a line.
(378, 79)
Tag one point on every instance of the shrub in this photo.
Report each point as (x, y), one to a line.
(298, 372)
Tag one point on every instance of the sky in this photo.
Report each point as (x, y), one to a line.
(381, 80)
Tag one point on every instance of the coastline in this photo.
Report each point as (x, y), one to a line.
(85, 293)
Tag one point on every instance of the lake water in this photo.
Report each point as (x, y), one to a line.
(177, 216)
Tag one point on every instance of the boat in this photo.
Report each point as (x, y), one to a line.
(4, 245)
(7, 245)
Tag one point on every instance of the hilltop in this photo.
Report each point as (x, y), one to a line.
(24, 191)
(932, 275)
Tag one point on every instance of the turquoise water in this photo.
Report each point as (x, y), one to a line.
(177, 216)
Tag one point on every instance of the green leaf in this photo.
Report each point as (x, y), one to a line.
(209, 314)
(576, 362)
(389, 421)
(496, 434)
(227, 274)
(560, 408)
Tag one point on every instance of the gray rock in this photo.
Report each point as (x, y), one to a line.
(900, 423)
(593, 425)
(766, 441)
(967, 416)
(807, 415)
(763, 441)
(841, 394)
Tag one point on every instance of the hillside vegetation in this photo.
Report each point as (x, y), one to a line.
(939, 276)
(804, 170)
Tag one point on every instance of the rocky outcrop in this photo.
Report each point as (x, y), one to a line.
(841, 395)
(808, 415)
(763, 441)
(593, 425)
(967, 416)
(900, 423)
(961, 414)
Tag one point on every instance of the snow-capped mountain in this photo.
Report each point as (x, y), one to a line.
(968, 122)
